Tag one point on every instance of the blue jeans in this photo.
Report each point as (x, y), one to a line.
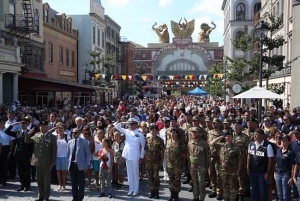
(283, 188)
(259, 186)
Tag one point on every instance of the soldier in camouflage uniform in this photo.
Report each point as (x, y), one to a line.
(176, 151)
(199, 155)
(227, 126)
(214, 169)
(242, 141)
(208, 122)
(173, 124)
(196, 123)
(154, 155)
(252, 124)
(230, 165)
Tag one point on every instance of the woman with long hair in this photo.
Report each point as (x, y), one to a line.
(98, 139)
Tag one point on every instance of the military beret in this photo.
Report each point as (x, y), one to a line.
(252, 120)
(174, 129)
(2, 120)
(153, 126)
(25, 120)
(11, 111)
(44, 123)
(173, 118)
(216, 120)
(229, 132)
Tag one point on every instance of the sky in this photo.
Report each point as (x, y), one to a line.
(136, 17)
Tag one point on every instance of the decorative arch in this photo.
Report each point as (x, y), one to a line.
(182, 65)
(238, 34)
(240, 12)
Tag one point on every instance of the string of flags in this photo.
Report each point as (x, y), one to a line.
(151, 77)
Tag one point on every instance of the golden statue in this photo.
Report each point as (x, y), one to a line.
(183, 29)
(203, 35)
(162, 32)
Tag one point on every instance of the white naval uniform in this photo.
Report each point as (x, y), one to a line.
(134, 149)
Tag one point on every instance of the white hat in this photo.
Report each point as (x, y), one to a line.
(166, 119)
(133, 120)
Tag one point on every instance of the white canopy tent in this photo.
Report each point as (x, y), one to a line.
(258, 93)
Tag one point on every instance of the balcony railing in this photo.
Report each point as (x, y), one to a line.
(19, 23)
(256, 19)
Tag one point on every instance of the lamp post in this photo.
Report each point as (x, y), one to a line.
(261, 29)
(85, 65)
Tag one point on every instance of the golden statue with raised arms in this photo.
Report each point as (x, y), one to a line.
(205, 31)
(183, 29)
(162, 32)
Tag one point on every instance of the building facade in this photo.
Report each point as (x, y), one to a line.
(91, 36)
(295, 96)
(279, 8)
(14, 16)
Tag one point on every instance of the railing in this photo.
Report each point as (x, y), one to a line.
(18, 22)
(256, 19)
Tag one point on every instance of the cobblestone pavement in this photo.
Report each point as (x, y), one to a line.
(9, 193)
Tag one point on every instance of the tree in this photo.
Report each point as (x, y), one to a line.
(217, 81)
(108, 62)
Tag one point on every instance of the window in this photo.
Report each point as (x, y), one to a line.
(257, 8)
(240, 11)
(46, 15)
(61, 56)
(73, 58)
(67, 57)
(36, 24)
(50, 53)
(63, 24)
(70, 30)
(102, 39)
(238, 35)
(94, 34)
(98, 35)
(11, 9)
(44, 51)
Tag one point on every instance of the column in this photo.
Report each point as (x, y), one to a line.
(1, 87)
(15, 87)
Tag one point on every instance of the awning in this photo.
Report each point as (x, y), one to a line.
(47, 84)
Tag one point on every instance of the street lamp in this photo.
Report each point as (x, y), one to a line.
(261, 30)
(85, 65)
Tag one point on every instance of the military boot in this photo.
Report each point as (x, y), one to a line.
(156, 194)
(152, 194)
(176, 198)
(172, 196)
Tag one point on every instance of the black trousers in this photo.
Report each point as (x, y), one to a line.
(4, 164)
(33, 172)
(24, 172)
(77, 179)
(12, 166)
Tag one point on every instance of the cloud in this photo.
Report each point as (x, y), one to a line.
(120, 3)
(164, 3)
(147, 19)
(207, 7)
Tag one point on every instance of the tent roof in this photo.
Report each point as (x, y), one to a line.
(258, 92)
(197, 91)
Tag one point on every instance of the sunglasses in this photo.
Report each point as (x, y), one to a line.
(75, 132)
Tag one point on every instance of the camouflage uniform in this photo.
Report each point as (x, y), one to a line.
(175, 152)
(250, 134)
(154, 148)
(181, 134)
(242, 141)
(199, 155)
(214, 169)
(229, 158)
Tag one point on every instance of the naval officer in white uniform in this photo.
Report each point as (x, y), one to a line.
(133, 152)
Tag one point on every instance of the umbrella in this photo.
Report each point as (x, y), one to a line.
(197, 91)
(259, 93)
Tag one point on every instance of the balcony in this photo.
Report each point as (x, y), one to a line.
(256, 19)
(20, 24)
(10, 54)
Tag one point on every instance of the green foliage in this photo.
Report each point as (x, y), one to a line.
(216, 84)
(278, 88)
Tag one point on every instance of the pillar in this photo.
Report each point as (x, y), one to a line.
(15, 89)
(1, 87)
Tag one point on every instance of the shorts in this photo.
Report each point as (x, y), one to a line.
(96, 165)
(61, 163)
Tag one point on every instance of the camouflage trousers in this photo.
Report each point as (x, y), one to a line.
(230, 185)
(198, 177)
(175, 178)
(105, 180)
(214, 175)
(243, 179)
(153, 174)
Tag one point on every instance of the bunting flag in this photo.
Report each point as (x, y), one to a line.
(130, 77)
(171, 77)
(103, 76)
(124, 77)
(97, 76)
(116, 76)
(112, 77)
(205, 77)
(144, 77)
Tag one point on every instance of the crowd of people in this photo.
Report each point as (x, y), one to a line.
(209, 142)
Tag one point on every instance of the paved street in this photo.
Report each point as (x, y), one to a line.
(9, 193)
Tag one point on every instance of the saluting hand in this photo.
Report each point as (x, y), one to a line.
(31, 131)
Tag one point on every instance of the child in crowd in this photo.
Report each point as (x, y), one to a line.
(119, 166)
(98, 146)
(106, 154)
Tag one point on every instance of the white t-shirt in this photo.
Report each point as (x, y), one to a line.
(98, 146)
(62, 147)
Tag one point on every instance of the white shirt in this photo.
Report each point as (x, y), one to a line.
(62, 147)
(134, 141)
(98, 146)
(15, 128)
(5, 138)
(162, 134)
